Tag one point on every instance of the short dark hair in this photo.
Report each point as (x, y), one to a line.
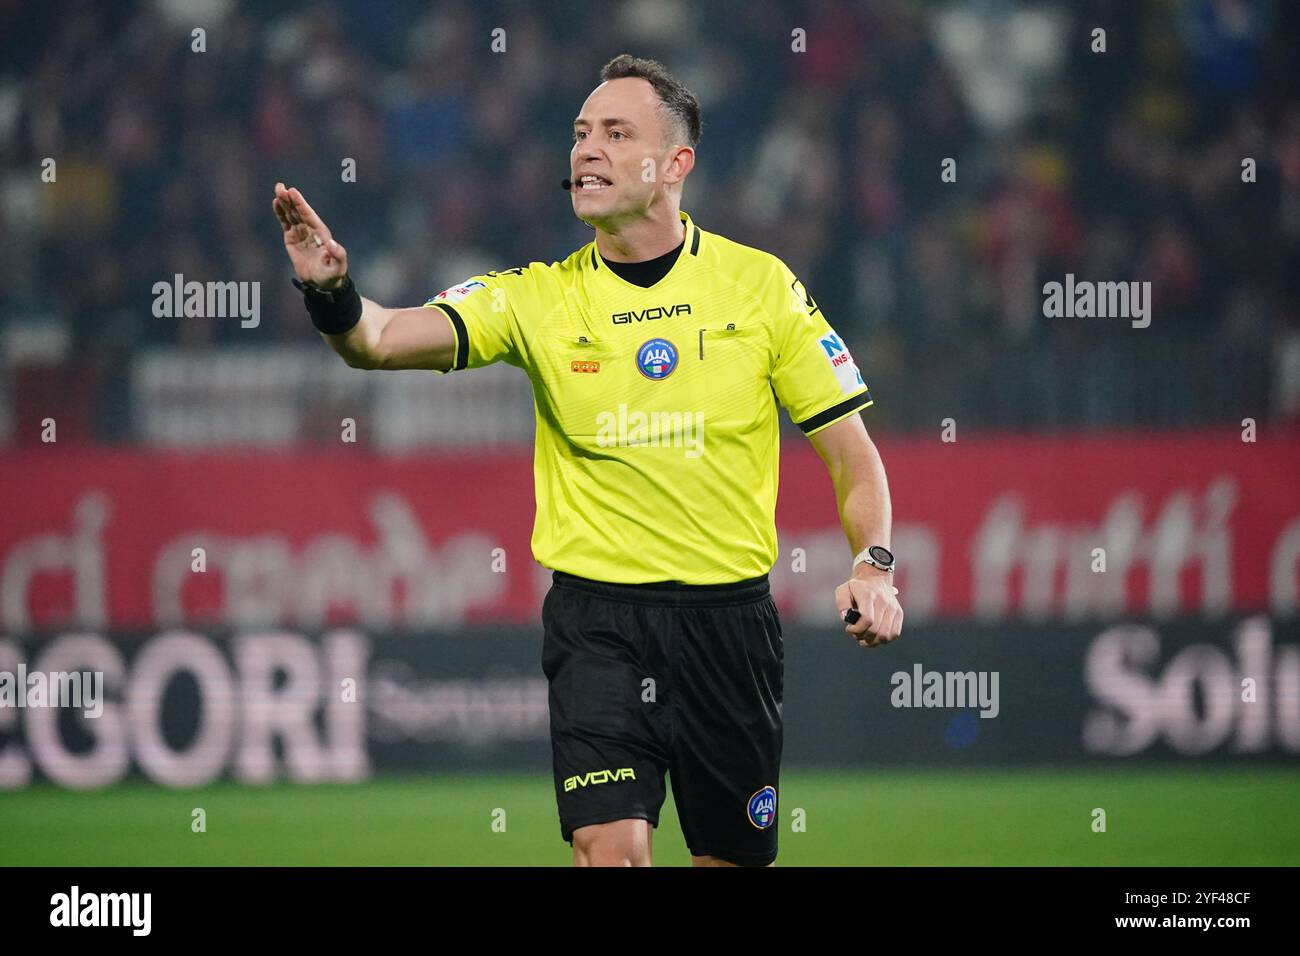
(678, 102)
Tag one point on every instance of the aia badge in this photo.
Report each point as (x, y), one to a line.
(762, 808)
(656, 359)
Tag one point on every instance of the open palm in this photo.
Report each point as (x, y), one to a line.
(316, 257)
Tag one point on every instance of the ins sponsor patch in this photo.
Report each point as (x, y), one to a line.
(846, 370)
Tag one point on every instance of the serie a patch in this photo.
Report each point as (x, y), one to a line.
(458, 291)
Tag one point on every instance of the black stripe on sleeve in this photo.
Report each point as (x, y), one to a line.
(858, 401)
(462, 337)
(695, 241)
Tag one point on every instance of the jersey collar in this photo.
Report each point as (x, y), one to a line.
(690, 248)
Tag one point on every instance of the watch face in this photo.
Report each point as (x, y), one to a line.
(880, 555)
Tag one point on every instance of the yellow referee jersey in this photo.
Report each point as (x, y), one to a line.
(657, 431)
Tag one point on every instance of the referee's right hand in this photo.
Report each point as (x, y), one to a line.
(316, 257)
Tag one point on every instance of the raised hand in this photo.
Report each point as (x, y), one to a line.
(316, 257)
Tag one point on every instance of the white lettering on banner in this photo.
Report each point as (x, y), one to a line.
(15, 768)
(403, 581)
(79, 553)
(83, 690)
(802, 594)
(270, 710)
(1187, 530)
(106, 760)
(281, 687)
(1142, 704)
(1179, 548)
(1284, 572)
(408, 707)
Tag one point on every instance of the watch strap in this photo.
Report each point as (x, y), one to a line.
(864, 557)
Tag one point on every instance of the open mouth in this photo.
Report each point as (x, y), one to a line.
(591, 182)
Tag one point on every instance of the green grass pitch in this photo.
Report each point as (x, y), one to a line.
(1025, 817)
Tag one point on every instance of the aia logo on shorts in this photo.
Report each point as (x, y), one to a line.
(762, 808)
(656, 359)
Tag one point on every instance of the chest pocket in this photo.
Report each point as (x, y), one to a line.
(578, 378)
(730, 370)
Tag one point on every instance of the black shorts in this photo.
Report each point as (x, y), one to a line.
(648, 679)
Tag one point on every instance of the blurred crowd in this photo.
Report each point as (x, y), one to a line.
(1114, 164)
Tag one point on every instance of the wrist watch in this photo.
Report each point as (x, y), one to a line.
(877, 557)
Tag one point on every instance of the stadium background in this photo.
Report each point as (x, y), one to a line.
(1164, 690)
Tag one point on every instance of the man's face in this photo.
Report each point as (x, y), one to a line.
(618, 137)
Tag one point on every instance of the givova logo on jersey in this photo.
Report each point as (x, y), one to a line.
(762, 808)
(846, 370)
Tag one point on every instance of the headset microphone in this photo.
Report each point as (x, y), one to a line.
(566, 184)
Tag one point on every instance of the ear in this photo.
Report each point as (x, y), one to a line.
(680, 165)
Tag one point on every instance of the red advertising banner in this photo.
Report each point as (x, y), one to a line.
(1013, 528)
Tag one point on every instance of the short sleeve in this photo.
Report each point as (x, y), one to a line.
(814, 376)
(482, 311)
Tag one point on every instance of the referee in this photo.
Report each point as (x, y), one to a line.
(658, 354)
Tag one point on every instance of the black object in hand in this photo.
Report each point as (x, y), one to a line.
(852, 616)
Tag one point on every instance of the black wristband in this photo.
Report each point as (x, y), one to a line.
(333, 311)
